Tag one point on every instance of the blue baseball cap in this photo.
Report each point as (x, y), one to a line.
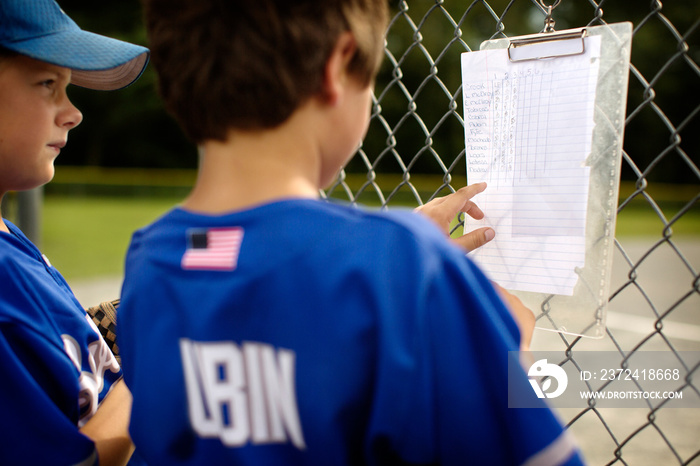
(39, 29)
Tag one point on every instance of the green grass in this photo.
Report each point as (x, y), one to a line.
(641, 220)
(88, 236)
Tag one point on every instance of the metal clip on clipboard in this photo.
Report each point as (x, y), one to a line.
(575, 46)
(548, 36)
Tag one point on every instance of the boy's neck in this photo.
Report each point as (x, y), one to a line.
(257, 167)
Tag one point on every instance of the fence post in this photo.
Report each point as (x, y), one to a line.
(29, 213)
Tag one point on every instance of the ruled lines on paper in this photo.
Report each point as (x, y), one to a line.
(528, 132)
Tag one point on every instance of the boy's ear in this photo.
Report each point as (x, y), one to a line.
(336, 73)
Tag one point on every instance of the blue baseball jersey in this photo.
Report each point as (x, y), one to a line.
(55, 368)
(302, 332)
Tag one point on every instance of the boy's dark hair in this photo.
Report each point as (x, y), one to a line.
(246, 64)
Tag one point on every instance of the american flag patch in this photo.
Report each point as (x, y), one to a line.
(212, 249)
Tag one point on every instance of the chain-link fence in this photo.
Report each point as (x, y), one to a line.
(414, 151)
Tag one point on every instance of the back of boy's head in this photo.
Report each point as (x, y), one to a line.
(245, 64)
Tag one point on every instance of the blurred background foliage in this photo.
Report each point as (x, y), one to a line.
(129, 128)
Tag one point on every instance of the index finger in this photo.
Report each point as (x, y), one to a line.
(458, 200)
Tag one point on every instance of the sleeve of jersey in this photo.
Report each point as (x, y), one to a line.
(471, 333)
(454, 406)
(34, 430)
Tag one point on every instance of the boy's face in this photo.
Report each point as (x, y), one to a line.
(35, 117)
(350, 129)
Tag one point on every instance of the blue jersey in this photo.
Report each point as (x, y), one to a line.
(55, 368)
(306, 333)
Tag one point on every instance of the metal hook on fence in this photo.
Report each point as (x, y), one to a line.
(548, 20)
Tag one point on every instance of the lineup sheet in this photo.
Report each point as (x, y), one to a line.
(528, 132)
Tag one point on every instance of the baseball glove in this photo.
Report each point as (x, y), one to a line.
(104, 315)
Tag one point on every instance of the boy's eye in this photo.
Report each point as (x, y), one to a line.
(48, 83)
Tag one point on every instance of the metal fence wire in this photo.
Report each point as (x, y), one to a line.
(414, 151)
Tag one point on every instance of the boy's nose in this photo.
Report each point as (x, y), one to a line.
(71, 116)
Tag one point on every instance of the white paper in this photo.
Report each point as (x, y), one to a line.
(528, 131)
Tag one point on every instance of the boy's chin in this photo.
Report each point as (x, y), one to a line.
(46, 178)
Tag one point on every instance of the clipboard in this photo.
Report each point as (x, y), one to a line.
(519, 145)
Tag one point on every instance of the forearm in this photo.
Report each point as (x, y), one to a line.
(108, 428)
(523, 316)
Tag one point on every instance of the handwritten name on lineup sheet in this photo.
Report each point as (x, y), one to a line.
(528, 131)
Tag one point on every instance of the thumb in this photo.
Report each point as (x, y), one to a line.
(474, 239)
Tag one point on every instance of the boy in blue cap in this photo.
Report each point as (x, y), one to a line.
(260, 325)
(61, 397)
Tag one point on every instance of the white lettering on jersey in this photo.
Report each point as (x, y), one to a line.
(241, 394)
(100, 359)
